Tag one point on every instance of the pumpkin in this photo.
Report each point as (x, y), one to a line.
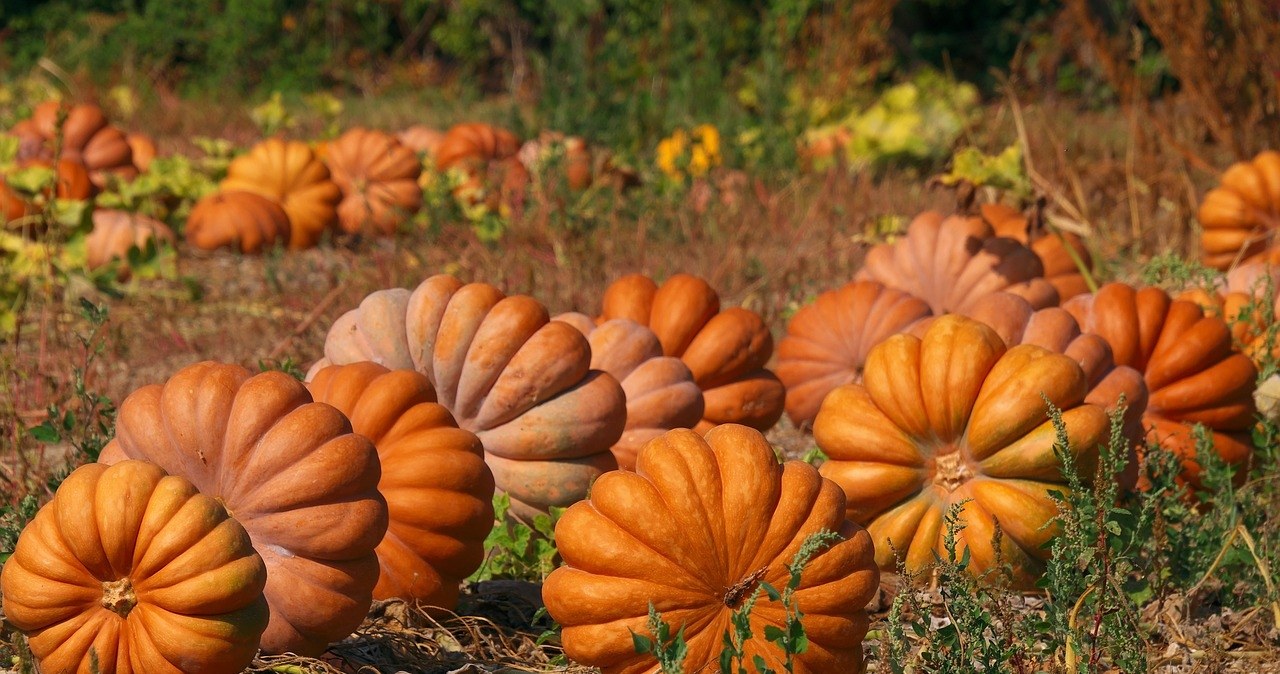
(143, 148)
(71, 182)
(140, 569)
(660, 391)
(289, 470)
(291, 174)
(439, 491)
(725, 350)
(520, 381)
(87, 138)
(1237, 300)
(953, 261)
(1054, 248)
(828, 340)
(115, 232)
(471, 144)
(955, 416)
(570, 155)
(694, 532)
(245, 221)
(1241, 215)
(1187, 360)
(421, 139)
(379, 181)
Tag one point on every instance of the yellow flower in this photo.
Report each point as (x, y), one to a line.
(700, 161)
(669, 151)
(709, 138)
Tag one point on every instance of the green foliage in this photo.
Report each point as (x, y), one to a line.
(1004, 173)
(670, 651)
(913, 122)
(12, 520)
(516, 550)
(1170, 270)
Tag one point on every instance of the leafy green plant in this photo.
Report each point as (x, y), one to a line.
(1003, 173)
(516, 550)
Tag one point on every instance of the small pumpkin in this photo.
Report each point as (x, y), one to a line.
(1238, 301)
(828, 340)
(1241, 215)
(289, 470)
(472, 144)
(144, 150)
(660, 391)
(693, 533)
(71, 182)
(953, 261)
(87, 137)
(570, 154)
(1191, 370)
(246, 221)
(422, 139)
(115, 232)
(139, 569)
(439, 491)
(379, 181)
(1057, 251)
(956, 416)
(725, 350)
(520, 381)
(289, 173)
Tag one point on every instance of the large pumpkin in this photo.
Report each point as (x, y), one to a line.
(828, 340)
(1241, 215)
(951, 262)
(290, 470)
(139, 569)
(291, 174)
(115, 232)
(957, 416)
(439, 491)
(245, 221)
(379, 181)
(1239, 301)
(694, 532)
(725, 350)
(661, 394)
(1057, 250)
(506, 372)
(1192, 372)
(87, 137)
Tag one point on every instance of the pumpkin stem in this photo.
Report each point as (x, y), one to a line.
(118, 597)
(951, 470)
(734, 595)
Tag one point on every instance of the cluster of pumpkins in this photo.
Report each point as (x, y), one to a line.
(235, 512)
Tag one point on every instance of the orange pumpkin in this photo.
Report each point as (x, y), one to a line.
(379, 181)
(725, 350)
(115, 232)
(693, 533)
(470, 144)
(86, 137)
(421, 139)
(957, 416)
(1055, 249)
(660, 391)
(139, 569)
(520, 381)
(1187, 360)
(828, 340)
(245, 221)
(1237, 301)
(1241, 215)
(144, 150)
(71, 182)
(570, 154)
(953, 261)
(289, 470)
(289, 173)
(439, 491)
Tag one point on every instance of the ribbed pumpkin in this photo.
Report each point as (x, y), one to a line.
(1187, 360)
(71, 182)
(141, 569)
(143, 148)
(291, 174)
(289, 470)
(661, 394)
(115, 232)
(1053, 248)
(379, 181)
(421, 139)
(471, 144)
(439, 491)
(694, 531)
(725, 350)
(956, 415)
(953, 261)
(1241, 215)
(245, 221)
(520, 381)
(87, 138)
(1238, 301)
(828, 340)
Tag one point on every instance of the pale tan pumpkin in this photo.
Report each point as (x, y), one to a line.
(1058, 251)
(115, 232)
